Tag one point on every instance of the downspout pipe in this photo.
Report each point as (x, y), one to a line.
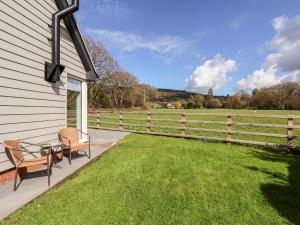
(54, 69)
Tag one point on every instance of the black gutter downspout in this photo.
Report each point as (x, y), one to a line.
(54, 69)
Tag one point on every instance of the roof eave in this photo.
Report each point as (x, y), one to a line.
(78, 41)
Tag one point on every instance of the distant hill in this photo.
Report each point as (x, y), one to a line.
(171, 95)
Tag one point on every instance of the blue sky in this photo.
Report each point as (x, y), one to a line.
(194, 45)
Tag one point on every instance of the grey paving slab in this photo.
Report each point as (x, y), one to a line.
(35, 184)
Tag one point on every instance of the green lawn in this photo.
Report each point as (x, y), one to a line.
(159, 180)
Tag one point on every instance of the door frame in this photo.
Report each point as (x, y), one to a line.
(84, 105)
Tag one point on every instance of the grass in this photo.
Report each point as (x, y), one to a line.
(159, 180)
(127, 119)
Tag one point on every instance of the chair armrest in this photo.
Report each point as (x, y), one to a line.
(83, 133)
(89, 137)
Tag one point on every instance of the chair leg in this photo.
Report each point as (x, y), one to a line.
(51, 169)
(70, 157)
(89, 150)
(21, 173)
(48, 173)
(16, 177)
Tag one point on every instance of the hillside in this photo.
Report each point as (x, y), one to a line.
(170, 95)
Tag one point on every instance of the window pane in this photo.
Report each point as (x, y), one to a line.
(74, 111)
(74, 85)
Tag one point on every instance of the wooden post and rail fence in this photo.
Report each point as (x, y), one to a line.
(229, 123)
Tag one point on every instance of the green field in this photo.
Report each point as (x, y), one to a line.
(92, 122)
(159, 180)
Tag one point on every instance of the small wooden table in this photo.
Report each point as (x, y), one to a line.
(54, 148)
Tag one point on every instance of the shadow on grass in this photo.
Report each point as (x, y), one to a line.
(284, 196)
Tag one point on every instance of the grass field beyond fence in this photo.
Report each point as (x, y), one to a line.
(159, 180)
(248, 126)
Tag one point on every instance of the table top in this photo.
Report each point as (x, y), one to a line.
(51, 144)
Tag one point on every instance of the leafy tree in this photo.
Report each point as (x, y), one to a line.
(178, 105)
(196, 101)
(233, 102)
(214, 103)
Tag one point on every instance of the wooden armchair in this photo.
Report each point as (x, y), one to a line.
(70, 139)
(13, 147)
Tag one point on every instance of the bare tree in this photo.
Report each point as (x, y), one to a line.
(105, 66)
(281, 96)
(121, 85)
(104, 63)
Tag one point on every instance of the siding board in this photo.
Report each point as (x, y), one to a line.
(7, 100)
(31, 109)
(67, 47)
(25, 127)
(28, 86)
(13, 119)
(7, 70)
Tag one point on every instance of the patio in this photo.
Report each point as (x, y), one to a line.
(31, 188)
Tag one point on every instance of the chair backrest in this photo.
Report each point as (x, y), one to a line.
(15, 150)
(68, 134)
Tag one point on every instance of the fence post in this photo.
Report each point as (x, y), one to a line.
(290, 131)
(229, 128)
(149, 121)
(98, 119)
(183, 125)
(121, 121)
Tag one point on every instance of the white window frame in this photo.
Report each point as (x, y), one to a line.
(84, 105)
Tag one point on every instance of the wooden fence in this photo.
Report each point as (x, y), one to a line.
(97, 120)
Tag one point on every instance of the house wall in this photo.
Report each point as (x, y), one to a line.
(31, 109)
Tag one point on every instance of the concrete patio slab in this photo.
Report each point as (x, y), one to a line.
(30, 188)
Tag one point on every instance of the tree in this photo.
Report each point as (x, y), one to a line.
(178, 105)
(196, 101)
(214, 103)
(105, 65)
(143, 94)
(233, 102)
(281, 96)
(245, 99)
(209, 97)
(121, 85)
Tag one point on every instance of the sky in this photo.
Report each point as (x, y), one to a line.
(195, 45)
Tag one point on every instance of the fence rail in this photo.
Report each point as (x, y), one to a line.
(123, 121)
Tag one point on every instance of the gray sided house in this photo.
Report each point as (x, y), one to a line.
(34, 105)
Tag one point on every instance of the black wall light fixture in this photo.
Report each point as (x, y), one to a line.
(54, 69)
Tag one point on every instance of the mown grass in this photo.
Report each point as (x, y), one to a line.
(159, 180)
(127, 119)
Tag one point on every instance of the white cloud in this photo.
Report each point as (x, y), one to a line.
(212, 74)
(286, 44)
(166, 46)
(283, 63)
(264, 77)
(238, 21)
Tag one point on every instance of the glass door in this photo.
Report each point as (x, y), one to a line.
(74, 103)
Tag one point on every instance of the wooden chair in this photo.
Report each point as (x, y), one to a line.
(70, 139)
(13, 147)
